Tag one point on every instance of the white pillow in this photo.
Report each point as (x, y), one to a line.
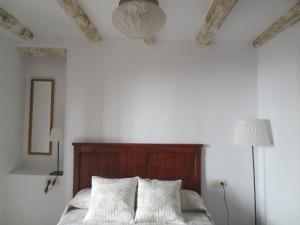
(112, 200)
(192, 201)
(158, 201)
(82, 199)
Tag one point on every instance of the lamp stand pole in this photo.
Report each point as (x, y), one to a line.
(58, 156)
(57, 172)
(254, 183)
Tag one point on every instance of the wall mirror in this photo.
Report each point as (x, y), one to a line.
(40, 116)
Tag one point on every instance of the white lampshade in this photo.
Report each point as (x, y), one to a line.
(139, 19)
(253, 132)
(57, 134)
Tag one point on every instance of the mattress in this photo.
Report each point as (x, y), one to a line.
(74, 216)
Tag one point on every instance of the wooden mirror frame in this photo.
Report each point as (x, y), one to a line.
(31, 112)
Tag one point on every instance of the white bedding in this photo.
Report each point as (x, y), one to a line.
(74, 216)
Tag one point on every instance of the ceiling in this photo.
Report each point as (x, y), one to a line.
(184, 17)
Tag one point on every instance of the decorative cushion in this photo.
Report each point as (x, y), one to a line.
(158, 201)
(112, 200)
(192, 201)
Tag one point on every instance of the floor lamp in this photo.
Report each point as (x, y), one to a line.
(57, 135)
(254, 133)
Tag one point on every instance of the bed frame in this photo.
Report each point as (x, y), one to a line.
(154, 161)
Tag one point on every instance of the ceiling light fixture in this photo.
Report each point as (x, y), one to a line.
(139, 19)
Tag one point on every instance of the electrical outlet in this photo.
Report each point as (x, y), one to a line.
(218, 183)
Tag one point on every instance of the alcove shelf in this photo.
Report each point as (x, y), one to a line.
(32, 170)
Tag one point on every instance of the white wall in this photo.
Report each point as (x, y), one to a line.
(279, 101)
(28, 204)
(17, 190)
(27, 183)
(122, 91)
(11, 114)
(52, 68)
(172, 92)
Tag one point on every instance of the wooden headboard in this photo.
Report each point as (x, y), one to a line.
(154, 161)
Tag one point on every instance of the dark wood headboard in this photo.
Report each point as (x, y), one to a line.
(154, 161)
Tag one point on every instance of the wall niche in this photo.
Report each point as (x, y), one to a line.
(42, 67)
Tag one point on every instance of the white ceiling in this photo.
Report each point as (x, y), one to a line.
(184, 17)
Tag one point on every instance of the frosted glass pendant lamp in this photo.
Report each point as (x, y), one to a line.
(253, 132)
(139, 19)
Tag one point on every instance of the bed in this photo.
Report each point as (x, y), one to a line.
(154, 161)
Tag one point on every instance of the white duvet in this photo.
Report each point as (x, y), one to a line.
(74, 216)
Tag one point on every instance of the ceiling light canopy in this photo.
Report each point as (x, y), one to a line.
(139, 19)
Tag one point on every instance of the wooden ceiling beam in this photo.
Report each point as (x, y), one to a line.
(217, 14)
(291, 17)
(75, 11)
(13, 25)
(40, 51)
